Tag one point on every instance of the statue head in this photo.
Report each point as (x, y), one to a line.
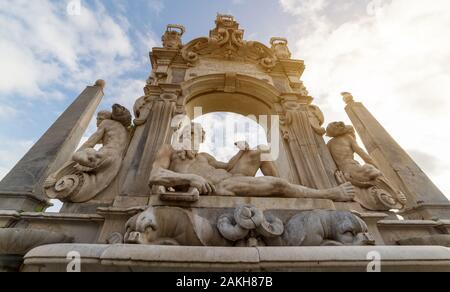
(351, 229)
(142, 228)
(103, 115)
(192, 136)
(121, 114)
(337, 129)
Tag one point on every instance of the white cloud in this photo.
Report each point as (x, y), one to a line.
(394, 58)
(45, 52)
(42, 46)
(303, 7)
(127, 92)
(7, 112)
(156, 5)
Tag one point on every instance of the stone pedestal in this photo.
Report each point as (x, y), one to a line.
(16, 242)
(21, 189)
(428, 211)
(138, 258)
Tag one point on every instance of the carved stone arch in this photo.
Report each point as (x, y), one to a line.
(241, 94)
(220, 92)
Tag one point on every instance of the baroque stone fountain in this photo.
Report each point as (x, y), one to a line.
(148, 200)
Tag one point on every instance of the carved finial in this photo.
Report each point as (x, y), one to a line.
(348, 97)
(100, 83)
(172, 37)
(225, 21)
(280, 47)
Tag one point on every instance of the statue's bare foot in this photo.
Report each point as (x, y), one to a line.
(82, 168)
(344, 193)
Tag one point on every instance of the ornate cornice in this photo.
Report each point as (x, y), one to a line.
(226, 41)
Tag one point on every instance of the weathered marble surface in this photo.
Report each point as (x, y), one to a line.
(431, 240)
(90, 171)
(142, 258)
(16, 241)
(374, 191)
(245, 225)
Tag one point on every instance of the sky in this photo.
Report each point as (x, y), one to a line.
(393, 55)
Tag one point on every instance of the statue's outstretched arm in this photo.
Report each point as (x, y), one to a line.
(168, 178)
(161, 175)
(215, 163)
(95, 139)
(362, 153)
(268, 168)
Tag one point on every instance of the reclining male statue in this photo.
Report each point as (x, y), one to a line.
(183, 167)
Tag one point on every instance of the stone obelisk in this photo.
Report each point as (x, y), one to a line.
(21, 189)
(425, 200)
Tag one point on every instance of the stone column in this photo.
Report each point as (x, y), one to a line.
(423, 196)
(21, 189)
(153, 132)
(303, 145)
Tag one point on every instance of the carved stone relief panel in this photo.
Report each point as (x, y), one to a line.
(208, 66)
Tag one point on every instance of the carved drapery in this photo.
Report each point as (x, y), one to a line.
(317, 119)
(155, 117)
(305, 151)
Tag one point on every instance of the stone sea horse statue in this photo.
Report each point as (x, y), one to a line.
(90, 171)
(246, 226)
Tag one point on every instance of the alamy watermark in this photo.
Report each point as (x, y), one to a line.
(263, 132)
(73, 262)
(374, 266)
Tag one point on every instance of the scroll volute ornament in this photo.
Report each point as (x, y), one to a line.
(144, 104)
(142, 108)
(290, 107)
(292, 103)
(317, 119)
